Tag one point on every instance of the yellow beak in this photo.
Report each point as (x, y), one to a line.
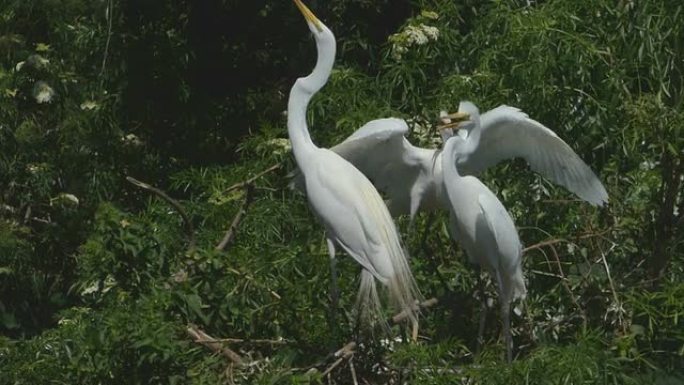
(459, 116)
(308, 15)
(454, 120)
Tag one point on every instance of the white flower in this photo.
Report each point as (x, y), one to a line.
(279, 145)
(431, 32)
(42, 92)
(89, 105)
(412, 35)
(66, 199)
(35, 168)
(132, 140)
(415, 35)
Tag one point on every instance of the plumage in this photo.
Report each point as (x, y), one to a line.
(411, 176)
(506, 132)
(485, 230)
(343, 199)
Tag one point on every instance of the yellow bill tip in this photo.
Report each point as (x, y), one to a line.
(308, 15)
(459, 116)
(447, 126)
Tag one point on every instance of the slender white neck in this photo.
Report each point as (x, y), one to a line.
(473, 138)
(449, 170)
(302, 92)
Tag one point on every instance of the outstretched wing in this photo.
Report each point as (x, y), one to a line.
(380, 151)
(507, 132)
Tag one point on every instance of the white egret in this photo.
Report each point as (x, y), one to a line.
(412, 177)
(485, 230)
(345, 201)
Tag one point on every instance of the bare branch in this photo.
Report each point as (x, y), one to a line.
(172, 202)
(420, 306)
(564, 282)
(110, 17)
(254, 178)
(248, 341)
(230, 234)
(344, 353)
(217, 347)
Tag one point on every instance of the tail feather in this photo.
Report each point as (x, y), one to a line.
(403, 290)
(516, 285)
(367, 301)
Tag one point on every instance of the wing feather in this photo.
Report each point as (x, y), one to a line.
(381, 152)
(507, 132)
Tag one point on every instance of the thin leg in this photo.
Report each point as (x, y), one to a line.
(483, 311)
(506, 318)
(504, 299)
(333, 279)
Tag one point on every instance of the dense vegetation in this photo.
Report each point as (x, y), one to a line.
(100, 280)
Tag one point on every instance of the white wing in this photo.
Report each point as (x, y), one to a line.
(507, 132)
(380, 151)
(501, 225)
(508, 244)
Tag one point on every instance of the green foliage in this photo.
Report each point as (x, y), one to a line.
(99, 280)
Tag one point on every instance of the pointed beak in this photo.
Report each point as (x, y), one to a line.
(450, 121)
(308, 15)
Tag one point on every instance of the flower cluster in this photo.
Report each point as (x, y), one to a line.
(414, 35)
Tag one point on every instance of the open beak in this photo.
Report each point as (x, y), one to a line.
(308, 15)
(451, 121)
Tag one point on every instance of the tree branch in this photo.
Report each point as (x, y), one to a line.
(344, 353)
(172, 202)
(420, 306)
(214, 345)
(254, 178)
(230, 234)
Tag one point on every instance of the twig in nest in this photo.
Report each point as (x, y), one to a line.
(248, 341)
(255, 177)
(172, 202)
(230, 234)
(344, 353)
(423, 305)
(214, 345)
(353, 371)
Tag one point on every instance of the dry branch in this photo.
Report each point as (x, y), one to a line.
(344, 353)
(419, 306)
(564, 282)
(230, 234)
(252, 179)
(214, 345)
(248, 341)
(172, 202)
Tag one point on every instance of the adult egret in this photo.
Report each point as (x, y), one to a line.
(485, 230)
(412, 177)
(345, 201)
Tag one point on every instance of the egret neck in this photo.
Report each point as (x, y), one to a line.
(302, 91)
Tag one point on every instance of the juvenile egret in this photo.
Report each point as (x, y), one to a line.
(485, 230)
(412, 177)
(344, 200)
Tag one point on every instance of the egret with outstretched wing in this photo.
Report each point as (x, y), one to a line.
(506, 132)
(344, 200)
(411, 176)
(485, 230)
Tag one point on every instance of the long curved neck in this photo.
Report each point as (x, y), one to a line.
(449, 170)
(302, 92)
(473, 138)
